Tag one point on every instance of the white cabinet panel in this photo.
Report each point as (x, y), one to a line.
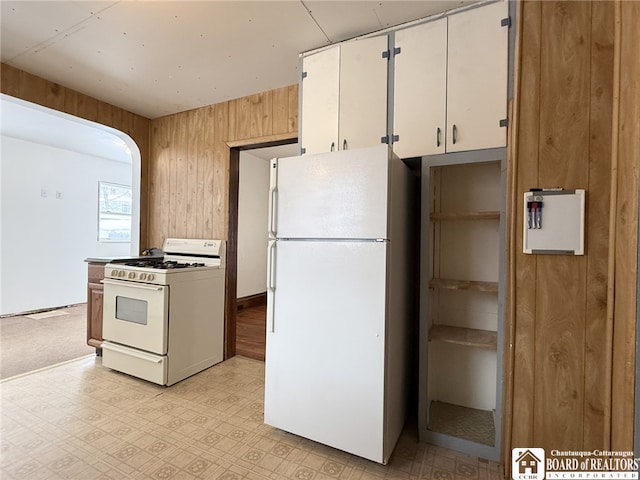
(450, 83)
(344, 96)
(477, 78)
(320, 101)
(363, 93)
(420, 84)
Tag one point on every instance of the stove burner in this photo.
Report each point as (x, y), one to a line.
(163, 264)
(174, 264)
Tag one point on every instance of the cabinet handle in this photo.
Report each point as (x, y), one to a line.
(455, 133)
(344, 144)
(333, 146)
(438, 137)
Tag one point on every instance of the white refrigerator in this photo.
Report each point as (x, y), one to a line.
(338, 299)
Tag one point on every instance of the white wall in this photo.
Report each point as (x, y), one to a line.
(44, 240)
(253, 196)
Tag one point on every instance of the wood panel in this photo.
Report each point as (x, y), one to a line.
(564, 127)
(281, 110)
(573, 373)
(597, 359)
(526, 176)
(189, 171)
(626, 264)
(31, 88)
(219, 226)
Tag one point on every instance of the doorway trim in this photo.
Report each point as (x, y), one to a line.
(231, 305)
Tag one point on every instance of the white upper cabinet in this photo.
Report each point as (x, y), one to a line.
(450, 83)
(320, 101)
(420, 89)
(344, 96)
(477, 78)
(363, 92)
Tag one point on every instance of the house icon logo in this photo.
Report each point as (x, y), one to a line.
(527, 463)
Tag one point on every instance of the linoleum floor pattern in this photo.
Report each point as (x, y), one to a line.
(82, 421)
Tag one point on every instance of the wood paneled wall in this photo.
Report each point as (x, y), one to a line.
(189, 168)
(25, 86)
(573, 318)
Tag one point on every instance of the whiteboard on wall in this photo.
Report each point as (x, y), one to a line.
(558, 227)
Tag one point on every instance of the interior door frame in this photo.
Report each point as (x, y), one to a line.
(231, 304)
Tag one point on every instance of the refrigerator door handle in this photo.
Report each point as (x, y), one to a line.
(271, 286)
(272, 216)
(273, 197)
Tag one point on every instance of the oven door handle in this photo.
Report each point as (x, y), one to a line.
(120, 283)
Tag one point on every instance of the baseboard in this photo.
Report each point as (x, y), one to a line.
(256, 300)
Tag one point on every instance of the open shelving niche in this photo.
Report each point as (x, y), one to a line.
(461, 298)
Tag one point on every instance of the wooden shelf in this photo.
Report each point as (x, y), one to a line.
(487, 215)
(491, 287)
(469, 337)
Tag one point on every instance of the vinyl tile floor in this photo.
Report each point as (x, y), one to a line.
(82, 421)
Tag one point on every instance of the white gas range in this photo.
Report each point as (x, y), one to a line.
(163, 318)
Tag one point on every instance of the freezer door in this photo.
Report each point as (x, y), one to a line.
(330, 195)
(326, 342)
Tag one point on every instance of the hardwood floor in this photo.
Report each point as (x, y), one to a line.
(251, 332)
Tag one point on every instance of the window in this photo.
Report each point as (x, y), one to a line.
(114, 212)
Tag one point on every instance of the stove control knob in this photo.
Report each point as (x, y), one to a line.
(143, 276)
(132, 275)
(121, 273)
(150, 277)
(114, 273)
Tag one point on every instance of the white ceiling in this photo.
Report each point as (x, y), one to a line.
(155, 58)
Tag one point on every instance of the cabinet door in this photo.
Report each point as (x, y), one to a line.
(95, 296)
(320, 89)
(420, 83)
(477, 78)
(363, 92)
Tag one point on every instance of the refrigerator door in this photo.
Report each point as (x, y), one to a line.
(326, 343)
(330, 195)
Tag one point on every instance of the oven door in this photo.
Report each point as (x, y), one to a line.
(136, 315)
